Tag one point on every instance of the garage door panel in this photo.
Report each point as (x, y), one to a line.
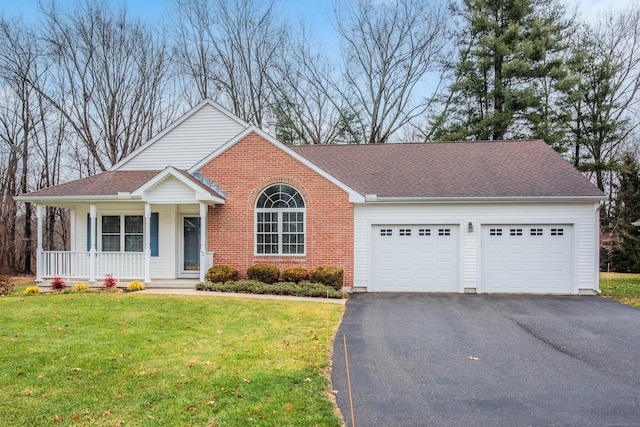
(418, 258)
(527, 258)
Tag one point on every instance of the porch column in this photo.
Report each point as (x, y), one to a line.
(203, 240)
(147, 243)
(39, 254)
(92, 244)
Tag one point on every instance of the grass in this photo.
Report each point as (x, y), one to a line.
(108, 359)
(621, 287)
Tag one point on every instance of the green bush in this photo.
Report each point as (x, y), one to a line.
(266, 273)
(304, 289)
(6, 285)
(327, 275)
(221, 273)
(295, 275)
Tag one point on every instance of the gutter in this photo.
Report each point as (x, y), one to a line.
(373, 199)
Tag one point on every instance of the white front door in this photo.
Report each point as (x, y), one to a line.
(190, 242)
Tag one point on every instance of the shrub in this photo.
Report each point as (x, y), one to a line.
(295, 275)
(327, 275)
(109, 281)
(6, 285)
(31, 290)
(221, 273)
(305, 289)
(135, 286)
(265, 273)
(57, 284)
(80, 287)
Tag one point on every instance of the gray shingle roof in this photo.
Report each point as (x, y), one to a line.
(102, 184)
(479, 169)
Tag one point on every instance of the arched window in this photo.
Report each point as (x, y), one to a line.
(280, 227)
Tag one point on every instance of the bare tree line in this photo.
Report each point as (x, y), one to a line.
(85, 85)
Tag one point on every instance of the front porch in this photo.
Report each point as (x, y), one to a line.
(76, 266)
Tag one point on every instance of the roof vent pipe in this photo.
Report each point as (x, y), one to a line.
(272, 124)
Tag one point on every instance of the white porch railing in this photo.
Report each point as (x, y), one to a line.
(73, 265)
(65, 264)
(120, 264)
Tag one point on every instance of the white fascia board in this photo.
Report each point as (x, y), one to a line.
(458, 200)
(174, 125)
(53, 201)
(354, 196)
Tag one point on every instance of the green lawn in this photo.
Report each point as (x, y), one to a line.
(621, 287)
(108, 359)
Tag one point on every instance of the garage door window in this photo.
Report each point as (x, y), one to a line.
(280, 221)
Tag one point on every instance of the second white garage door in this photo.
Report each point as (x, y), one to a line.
(527, 258)
(415, 258)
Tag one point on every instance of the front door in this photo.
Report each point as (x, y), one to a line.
(190, 246)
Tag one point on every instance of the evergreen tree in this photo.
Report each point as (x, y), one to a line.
(509, 66)
(625, 256)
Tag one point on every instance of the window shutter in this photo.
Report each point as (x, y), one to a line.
(88, 232)
(154, 233)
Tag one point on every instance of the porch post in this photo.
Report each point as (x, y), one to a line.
(92, 244)
(203, 240)
(39, 254)
(147, 243)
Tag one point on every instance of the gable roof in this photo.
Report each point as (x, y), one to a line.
(114, 185)
(479, 169)
(354, 196)
(187, 140)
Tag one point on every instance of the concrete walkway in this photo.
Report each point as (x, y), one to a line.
(193, 292)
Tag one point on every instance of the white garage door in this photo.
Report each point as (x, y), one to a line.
(527, 258)
(415, 258)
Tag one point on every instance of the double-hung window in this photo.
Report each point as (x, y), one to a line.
(122, 232)
(280, 221)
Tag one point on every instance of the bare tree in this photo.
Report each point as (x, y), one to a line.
(387, 49)
(229, 48)
(19, 122)
(108, 78)
(606, 97)
(309, 106)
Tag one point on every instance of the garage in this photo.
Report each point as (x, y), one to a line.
(527, 258)
(415, 258)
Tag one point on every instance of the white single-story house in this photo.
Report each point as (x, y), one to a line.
(482, 216)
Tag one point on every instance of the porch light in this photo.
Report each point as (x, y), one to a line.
(470, 227)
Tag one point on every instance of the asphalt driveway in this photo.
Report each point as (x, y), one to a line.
(488, 360)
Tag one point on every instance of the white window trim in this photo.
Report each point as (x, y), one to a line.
(122, 233)
(279, 211)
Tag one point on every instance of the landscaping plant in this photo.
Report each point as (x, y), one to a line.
(327, 275)
(295, 275)
(221, 273)
(266, 273)
(7, 285)
(135, 286)
(109, 281)
(57, 284)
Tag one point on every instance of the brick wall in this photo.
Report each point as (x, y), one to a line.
(244, 171)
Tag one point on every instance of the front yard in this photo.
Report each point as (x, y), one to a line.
(109, 359)
(621, 287)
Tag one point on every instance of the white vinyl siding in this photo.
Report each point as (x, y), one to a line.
(582, 217)
(185, 145)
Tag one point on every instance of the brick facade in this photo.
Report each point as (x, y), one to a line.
(244, 171)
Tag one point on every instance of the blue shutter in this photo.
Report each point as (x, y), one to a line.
(154, 233)
(88, 232)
